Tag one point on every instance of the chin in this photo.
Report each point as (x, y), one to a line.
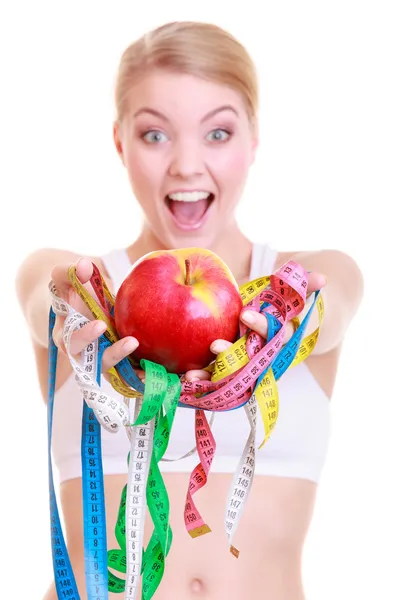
(190, 240)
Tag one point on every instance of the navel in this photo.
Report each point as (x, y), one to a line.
(196, 586)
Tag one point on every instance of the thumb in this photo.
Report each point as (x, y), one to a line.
(84, 269)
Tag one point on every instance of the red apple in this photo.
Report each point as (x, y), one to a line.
(176, 303)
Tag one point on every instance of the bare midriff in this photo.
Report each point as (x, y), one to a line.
(270, 538)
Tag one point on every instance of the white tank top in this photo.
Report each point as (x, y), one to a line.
(297, 447)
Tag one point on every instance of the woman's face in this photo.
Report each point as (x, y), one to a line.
(187, 145)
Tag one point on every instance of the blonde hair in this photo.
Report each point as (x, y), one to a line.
(195, 48)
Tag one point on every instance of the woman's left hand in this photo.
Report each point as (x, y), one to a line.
(258, 323)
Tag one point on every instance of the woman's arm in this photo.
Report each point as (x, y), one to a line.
(342, 295)
(32, 288)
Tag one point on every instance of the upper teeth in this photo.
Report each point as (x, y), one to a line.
(189, 196)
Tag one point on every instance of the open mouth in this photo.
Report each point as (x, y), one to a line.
(189, 208)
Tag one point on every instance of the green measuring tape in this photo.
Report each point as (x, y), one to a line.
(160, 400)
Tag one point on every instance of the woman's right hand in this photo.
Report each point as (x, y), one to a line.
(92, 330)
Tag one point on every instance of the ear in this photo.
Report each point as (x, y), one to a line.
(255, 139)
(117, 140)
(254, 148)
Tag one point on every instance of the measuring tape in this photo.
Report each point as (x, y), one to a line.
(244, 375)
(63, 574)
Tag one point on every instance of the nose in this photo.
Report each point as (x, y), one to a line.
(186, 160)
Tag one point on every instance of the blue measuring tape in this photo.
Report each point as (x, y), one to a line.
(63, 574)
(94, 511)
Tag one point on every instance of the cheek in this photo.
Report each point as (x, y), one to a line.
(143, 168)
(232, 166)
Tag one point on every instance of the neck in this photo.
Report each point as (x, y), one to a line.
(233, 247)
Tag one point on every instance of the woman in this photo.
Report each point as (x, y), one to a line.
(186, 132)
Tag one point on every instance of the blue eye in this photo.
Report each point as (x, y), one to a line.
(154, 136)
(219, 135)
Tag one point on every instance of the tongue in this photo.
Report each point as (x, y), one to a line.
(188, 213)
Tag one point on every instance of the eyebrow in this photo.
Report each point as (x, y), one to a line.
(210, 114)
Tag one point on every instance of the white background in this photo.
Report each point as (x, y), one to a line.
(326, 176)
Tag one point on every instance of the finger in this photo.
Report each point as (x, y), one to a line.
(141, 374)
(197, 375)
(84, 269)
(85, 335)
(288, 332)
(316, 281)
(219, 346)
(57, 336)
(59, 275)
(118, 351)
(256, 321)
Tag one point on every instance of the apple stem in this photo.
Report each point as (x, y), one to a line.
(187, 278)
